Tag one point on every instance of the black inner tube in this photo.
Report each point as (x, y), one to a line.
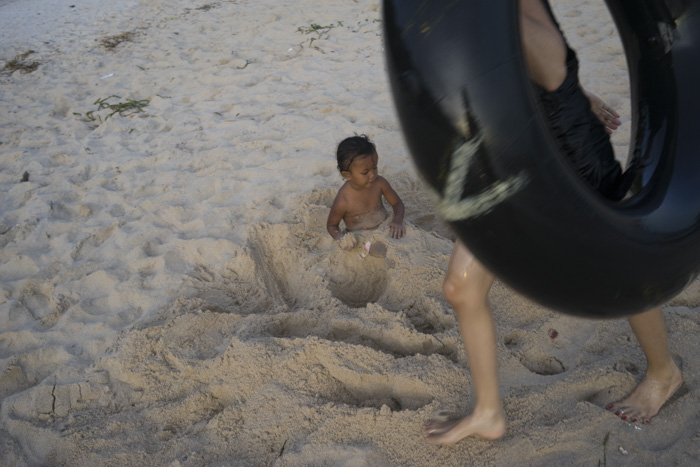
(480, 140)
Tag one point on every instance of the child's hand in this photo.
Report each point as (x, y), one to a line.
(347, 241)
(396, 229)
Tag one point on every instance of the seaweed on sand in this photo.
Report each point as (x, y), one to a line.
(21, 64)
(123, 109)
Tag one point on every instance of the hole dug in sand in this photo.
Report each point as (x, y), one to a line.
(357, 281)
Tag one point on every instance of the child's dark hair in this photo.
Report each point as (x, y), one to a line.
(351, 148)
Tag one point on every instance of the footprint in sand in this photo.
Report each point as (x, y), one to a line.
(532, 358)
(27, 369)
(93, 241)
(38, 299)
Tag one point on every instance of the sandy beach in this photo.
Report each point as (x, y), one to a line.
(169, 295)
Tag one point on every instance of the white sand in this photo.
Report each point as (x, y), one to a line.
(169, 295)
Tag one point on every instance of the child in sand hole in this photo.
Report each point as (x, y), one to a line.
(359, 201)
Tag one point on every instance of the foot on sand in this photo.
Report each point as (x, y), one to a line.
(647, 398)
(446, 432)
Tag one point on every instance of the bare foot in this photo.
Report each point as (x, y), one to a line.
(647, 398)
(491, 425)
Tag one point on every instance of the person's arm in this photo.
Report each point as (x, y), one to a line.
(543, 46)
(345, 241)
(334, 218)
(396, 227)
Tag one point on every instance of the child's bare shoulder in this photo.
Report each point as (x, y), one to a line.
(384, 183)
(342, 196)
(381, 179)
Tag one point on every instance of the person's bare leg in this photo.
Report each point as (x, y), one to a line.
(662, 377)
(468, 283)
(466, 287)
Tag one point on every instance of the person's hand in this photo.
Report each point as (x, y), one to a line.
(396, 229)
(347, 241)
(606, 114)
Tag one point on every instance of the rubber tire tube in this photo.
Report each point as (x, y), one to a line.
(478, 137)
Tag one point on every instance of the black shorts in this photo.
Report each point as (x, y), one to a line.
(581, 136)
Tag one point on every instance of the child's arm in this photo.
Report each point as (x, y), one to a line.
(396, 226)
(334, 218)
(337, 213)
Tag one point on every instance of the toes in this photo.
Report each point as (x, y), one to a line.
(443, 416)
(629, 414)
(437, 428)
(624, 413)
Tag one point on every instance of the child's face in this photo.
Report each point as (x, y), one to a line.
(363, 171)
